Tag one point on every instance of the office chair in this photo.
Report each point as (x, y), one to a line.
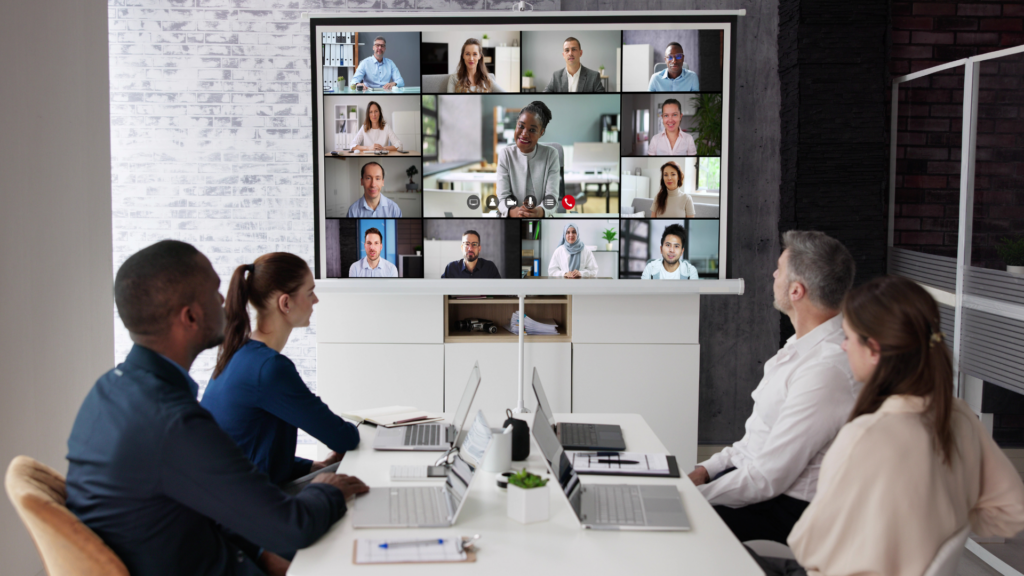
(435, 83)
(67, 546)
(948, 557)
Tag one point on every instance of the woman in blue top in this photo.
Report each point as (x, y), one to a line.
(256, 394)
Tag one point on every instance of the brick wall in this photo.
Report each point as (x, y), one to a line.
(926, 34)
(211, 131)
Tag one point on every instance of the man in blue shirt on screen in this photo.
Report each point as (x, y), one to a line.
(373, 203)
(372, 265)
(674, 78)
(671, 265)
(378, 71)
(471, 265)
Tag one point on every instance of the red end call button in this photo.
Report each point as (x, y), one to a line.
(568, 202)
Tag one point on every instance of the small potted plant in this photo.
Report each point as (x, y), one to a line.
(486, 41)
(528, 497)
(609, 237)
(528, 79)
(412, 186)
(1011, 251)
(419, 250)
(601, 70)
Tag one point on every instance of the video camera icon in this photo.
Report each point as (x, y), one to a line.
(511, 202)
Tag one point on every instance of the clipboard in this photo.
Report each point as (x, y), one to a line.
(673, 471)
(403, 556)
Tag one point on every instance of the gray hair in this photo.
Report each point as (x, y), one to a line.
(381, 38)
(822, 264)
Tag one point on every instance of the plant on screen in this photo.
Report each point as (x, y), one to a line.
(708, 118)
(609, 234)
(528, 74)
(526, 480)
(1011, 251)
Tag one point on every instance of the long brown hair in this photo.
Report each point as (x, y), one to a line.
(256, 283)
(368, 124)
(483, 78)
(904, 320)
(661, 200)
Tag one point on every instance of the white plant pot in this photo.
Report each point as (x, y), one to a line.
(486, 42)
(527, 81)
(528, 506)
(1018, 270)
(611, 246)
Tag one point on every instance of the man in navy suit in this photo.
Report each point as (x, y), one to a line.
(149, 469)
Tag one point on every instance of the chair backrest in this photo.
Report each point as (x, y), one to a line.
(705, 210)
(67, 546)
(770, 549)
(643, 205)
(434, 83)
(948, 557)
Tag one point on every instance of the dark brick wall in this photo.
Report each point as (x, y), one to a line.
(925, 34)
(832, 67)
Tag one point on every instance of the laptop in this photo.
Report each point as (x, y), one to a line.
(610, 506)
(431, 436)
(575, 436)
(426, 506)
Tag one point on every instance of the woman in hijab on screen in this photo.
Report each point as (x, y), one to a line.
(572, 259)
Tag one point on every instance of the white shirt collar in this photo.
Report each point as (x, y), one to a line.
(812, 338)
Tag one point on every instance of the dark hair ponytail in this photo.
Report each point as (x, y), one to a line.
(541, 110)
(256, 283)
(904, 319)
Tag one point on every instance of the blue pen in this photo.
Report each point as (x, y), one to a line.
(412, 542)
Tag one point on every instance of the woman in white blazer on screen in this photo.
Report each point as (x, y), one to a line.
(375, 133)
(572, 259)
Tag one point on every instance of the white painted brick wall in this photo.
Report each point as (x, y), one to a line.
(211, 132)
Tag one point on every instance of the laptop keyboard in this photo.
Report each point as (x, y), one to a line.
(422, 435)
(578, 434)
(415, 506)
(618, 504)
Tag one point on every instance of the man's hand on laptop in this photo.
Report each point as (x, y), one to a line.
(332, 457)
(698, 476)
(349, 485)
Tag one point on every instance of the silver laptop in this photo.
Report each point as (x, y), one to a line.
(576, 435)
(610, 506)
(426, 506)
(432, 436)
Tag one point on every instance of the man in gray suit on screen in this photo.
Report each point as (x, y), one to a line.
(575, 77)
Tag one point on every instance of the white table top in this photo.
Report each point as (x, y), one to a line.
(557, 546)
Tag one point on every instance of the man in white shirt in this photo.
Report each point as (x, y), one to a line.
(575, 77)
(372, 265)
(761, 485)
(671, 265)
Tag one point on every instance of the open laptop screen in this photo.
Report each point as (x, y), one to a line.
(558, 462)
(459, 421)
(466, 461)
(542, 400)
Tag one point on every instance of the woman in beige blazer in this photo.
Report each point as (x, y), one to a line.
(528, 157)
(914, 465)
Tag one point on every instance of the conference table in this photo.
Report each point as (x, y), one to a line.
(556, 546)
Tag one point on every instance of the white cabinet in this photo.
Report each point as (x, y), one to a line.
(637, 60)
(635, 187)
(506, 69)
(388, 319)
(657, 381)
(498, 374)
(436, 255)
(653, 319)
(356, 376)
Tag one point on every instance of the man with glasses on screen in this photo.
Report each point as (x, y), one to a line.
(372, 265)
(671, 265)
(674, 78)
(471, 265)
(575, 77)
(378, 71)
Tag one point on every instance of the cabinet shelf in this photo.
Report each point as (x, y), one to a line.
(499, 310)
